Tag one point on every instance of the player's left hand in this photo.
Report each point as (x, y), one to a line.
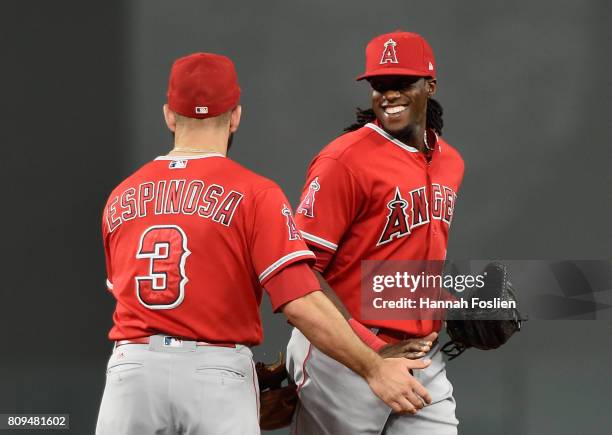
(413, 348)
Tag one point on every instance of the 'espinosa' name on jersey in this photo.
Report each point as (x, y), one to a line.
(173, 197)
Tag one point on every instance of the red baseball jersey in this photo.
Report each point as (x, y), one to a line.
(369, 196)
(189, 243)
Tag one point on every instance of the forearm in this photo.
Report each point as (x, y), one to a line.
(368, 337)
(331, 294)
(319, 320)
(324, 326)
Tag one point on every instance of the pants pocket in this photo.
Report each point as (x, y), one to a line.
(123, 367)
(120, 372)
(228, 373)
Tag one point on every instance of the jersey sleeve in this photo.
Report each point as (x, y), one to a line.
(105, 234)
(324, 256)
(291, 283)
(275, 240)
(330, 200)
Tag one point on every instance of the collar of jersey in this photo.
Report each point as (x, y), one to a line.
(203, 156)
(398, 142)
(390, 138)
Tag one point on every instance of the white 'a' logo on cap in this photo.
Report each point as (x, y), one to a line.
(389, 55)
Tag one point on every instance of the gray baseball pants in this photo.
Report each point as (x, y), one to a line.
(336, 401)
(166, 389)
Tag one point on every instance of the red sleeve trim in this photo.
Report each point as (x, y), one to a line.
(292, 282)
(367, 336)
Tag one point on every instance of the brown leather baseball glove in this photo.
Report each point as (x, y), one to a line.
(277, 402)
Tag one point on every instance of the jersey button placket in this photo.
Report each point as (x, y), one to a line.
(428, 189)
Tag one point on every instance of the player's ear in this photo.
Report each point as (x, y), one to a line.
(431, 87)
(235, 118)
(170, 118)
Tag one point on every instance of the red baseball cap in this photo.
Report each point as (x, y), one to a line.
(399, 53)
(203, 85)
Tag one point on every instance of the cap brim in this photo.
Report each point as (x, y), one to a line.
(395, 72)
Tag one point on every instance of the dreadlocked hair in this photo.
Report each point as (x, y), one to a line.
(434, 117)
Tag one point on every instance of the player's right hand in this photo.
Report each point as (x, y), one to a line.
(392, 382)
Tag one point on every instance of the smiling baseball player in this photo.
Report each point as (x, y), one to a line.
(385, 190)
(190, 240)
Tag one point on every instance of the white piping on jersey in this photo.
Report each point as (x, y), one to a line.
(319, 240)
(189, 157)
(438, 142)
(387, 136)
(278, 263)
(109, 285)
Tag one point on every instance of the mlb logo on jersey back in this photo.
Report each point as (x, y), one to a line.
(178, 164)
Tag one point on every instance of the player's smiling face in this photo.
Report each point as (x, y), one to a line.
(400, 102)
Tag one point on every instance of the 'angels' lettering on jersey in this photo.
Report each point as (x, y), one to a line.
(413, 210)
(167, 197)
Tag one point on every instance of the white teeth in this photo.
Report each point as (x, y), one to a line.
(395, 109)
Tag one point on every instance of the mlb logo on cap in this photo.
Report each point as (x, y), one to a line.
(399, 53)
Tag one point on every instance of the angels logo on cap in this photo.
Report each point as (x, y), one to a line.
(389, 54)
(403, 54)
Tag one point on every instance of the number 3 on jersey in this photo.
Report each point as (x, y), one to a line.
(163, 251)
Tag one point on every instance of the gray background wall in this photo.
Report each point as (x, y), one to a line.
(526, 92)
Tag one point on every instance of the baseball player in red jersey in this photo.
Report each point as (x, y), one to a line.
(385, 190)
(190, 240)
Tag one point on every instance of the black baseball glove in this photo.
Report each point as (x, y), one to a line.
(484, 328)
